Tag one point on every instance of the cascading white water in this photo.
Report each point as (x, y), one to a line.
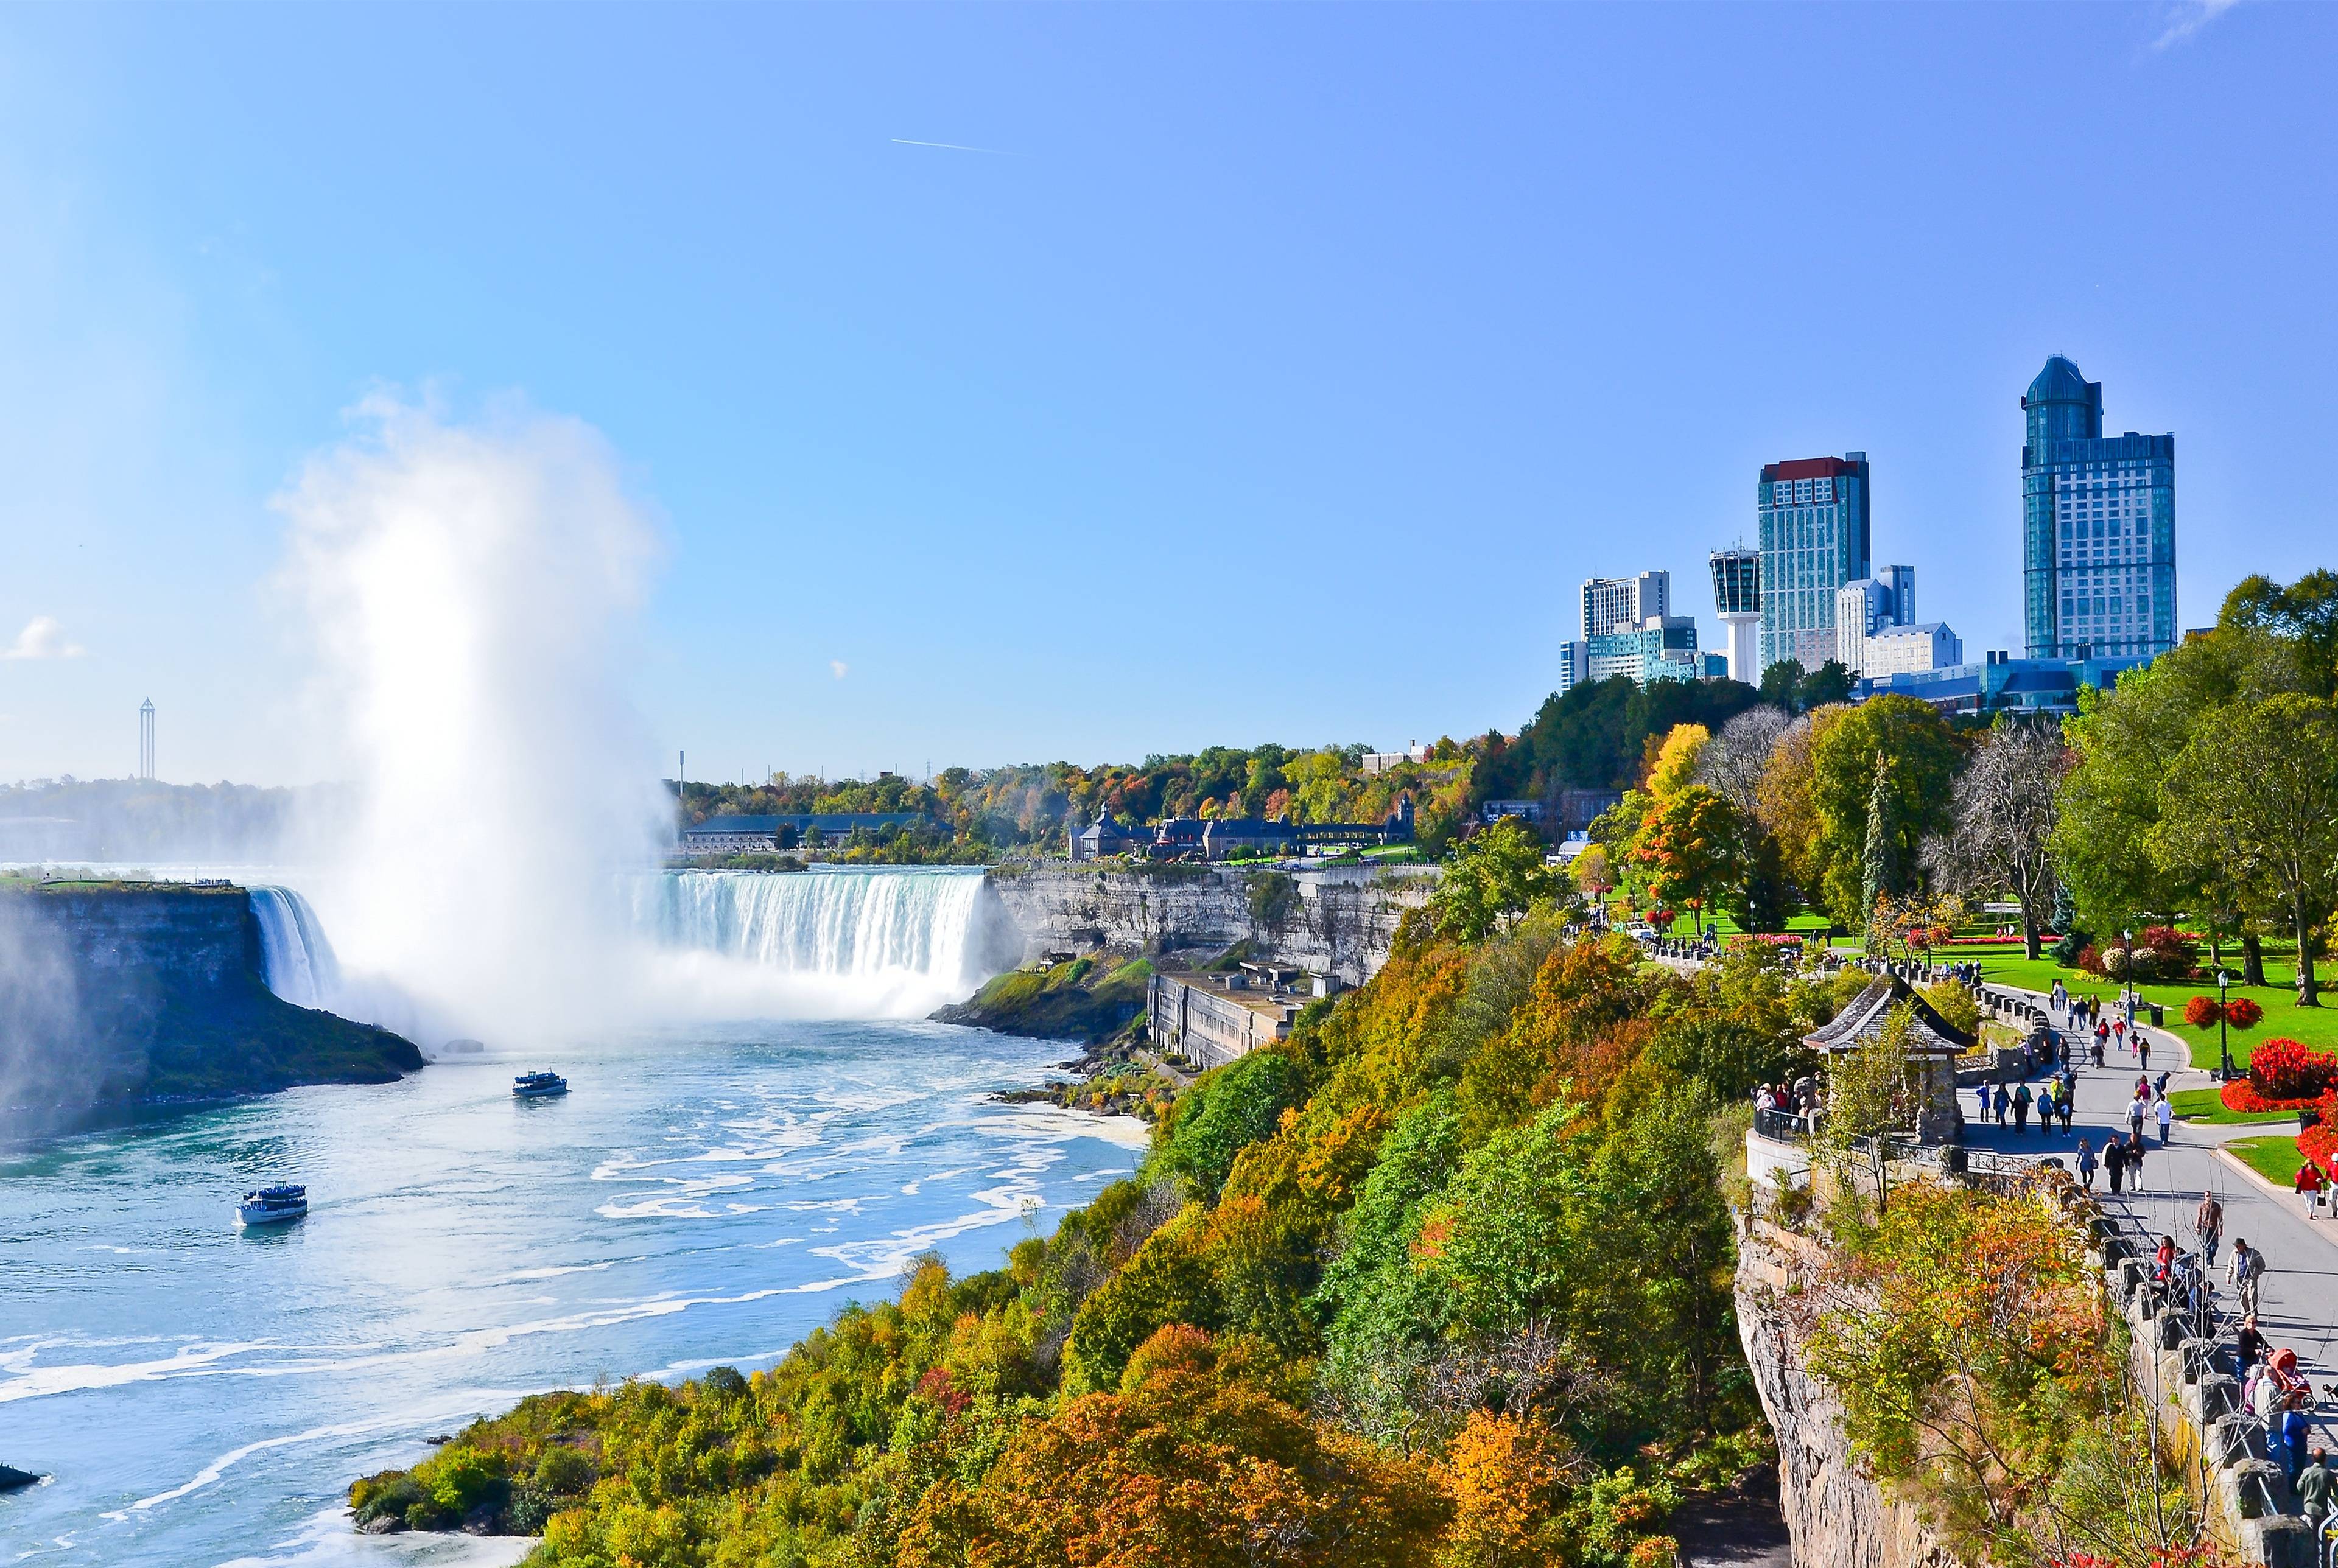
(297, 961)
(891, 925)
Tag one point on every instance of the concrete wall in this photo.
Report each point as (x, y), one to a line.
(1334, 921)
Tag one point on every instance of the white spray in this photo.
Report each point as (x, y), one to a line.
(471, 590)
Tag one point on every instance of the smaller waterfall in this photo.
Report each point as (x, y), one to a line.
(296, 959)
(858, 925)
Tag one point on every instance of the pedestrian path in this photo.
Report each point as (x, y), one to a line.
(2298, 1304)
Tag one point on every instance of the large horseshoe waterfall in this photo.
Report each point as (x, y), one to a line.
(296, 959)
(870, 925)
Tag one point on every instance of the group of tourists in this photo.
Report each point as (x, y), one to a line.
(2121, 1161)
(1801, 1100)
(2056, 1098)
(2084, 1016)
(2277, 1393)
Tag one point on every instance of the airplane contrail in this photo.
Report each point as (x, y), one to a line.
(952, 147)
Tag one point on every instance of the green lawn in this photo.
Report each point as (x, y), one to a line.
(2209, 1105)
(2316, 1027)
(2273, 1157)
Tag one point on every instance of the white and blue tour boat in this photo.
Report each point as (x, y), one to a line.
(272, 1205)
(538, 1085)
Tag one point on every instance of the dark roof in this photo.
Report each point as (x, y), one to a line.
(1862, 1021)
(2059, 382)
(1251, 827)
(1808, 468)
(826, 821)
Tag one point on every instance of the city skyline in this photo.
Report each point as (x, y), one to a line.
(890, 408)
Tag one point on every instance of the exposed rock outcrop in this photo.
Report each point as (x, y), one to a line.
(1332, 920)
(1838, 1517)
(115, 992)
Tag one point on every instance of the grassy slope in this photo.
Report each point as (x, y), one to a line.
(2273, 1156)
(1082, 1000)
(2316, 1027)
(2207, 1105)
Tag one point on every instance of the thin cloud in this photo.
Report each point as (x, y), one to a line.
(42, 638)
(994, 151)
(2189, 18)
(838, 668)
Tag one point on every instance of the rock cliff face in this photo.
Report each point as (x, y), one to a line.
(117, 993)
(1837, 1516)
(1333, 921)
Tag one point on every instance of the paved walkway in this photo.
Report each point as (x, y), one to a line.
(2298, 1298)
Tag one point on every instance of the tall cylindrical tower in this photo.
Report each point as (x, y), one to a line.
(146, 739)
(1737, 601)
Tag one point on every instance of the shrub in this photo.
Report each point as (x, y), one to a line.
(564, 1472)
(2089, 960)
(2067, 949)
(2241, 1096)
(2282, 1068)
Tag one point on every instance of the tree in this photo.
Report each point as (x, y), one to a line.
(2257, 790)
(2003, 815)
(2304, 615)
(1788, 800)
(1922, 756)
(1734, 762)
(1677, 758)
(1692, 847)
(1830, 682)
(1782, 684)
(1868, 1098)
(1495, 876)
(1878, 861)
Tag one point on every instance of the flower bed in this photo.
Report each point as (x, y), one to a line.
(2241, 1095)
(2285, 1070)
(2319, 1143)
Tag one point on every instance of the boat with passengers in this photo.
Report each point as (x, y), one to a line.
(538, 1085)
(272, 1205)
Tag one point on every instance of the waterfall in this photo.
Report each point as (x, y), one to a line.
(296, 960)
(887, 923)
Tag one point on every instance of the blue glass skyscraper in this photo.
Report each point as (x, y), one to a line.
(2097, 527)
(1813, 521)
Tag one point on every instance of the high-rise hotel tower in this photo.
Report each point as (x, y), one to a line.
(2097, 527)
(1813, 538)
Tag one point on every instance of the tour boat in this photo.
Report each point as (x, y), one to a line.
(538, 1085)
(272, 1205)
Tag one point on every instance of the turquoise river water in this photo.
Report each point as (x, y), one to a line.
(200, 1395)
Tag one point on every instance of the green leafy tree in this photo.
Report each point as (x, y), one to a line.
(1493, 876)
(1693, 848)
(1914, 744)
(2303, 615)
(1782, 684)
(1830, 682)
(2257, 792)
(1879, 875)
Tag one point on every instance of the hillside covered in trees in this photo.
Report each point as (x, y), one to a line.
(1444, 1278)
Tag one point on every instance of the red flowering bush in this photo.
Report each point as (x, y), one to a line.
(2318, 1144)
(2242, 1014)
(2089, 960)
(2282, 1068)
(2202, 1012)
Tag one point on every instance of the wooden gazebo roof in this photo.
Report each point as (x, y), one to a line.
(1862, 1021)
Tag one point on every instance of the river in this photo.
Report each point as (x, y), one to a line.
(707, 1194)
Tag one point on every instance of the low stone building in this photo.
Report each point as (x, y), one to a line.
(1211, 1019)
(1933, 1047)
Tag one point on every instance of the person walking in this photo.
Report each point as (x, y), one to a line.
(2115, 1161)
(2136, 1109)
(2085, 1165)
(2208, 1220)
(2003, 1103)
(2099, 1050)
(2246, 1269)
(2295, 1427)
(2308, 1185)
(2166, 1116)
(2021, 1109)
(2143, 1049)
(2069, 1094)
(2134, 1163)
(1980, 1092)
(2312, 1486)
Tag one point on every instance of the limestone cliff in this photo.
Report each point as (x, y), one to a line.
(1333, 920)
(1838, 1517)
(113, 994)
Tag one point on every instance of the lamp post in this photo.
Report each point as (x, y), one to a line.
(2223, 1043)
(2127, 974)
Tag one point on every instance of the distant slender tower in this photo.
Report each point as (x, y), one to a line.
(146, 739)
(1738, 599)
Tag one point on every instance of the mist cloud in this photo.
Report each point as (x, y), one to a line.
(470, 592)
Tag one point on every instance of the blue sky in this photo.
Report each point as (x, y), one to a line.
(1276, 375)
